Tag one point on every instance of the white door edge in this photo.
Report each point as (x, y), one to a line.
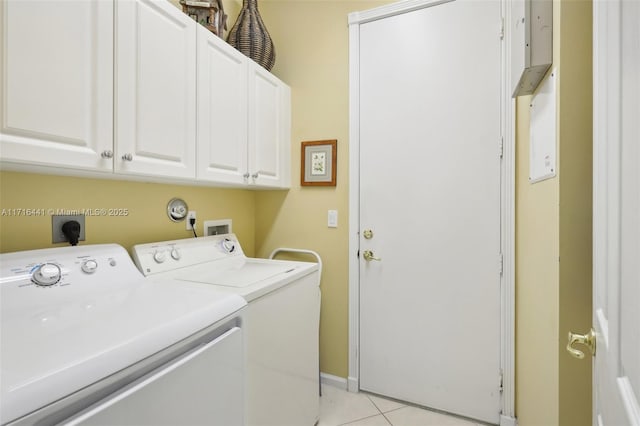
(629, 400)
(507, 209)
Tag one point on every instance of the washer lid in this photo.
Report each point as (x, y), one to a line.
(238, 274)
(51, 351)
(249, 277)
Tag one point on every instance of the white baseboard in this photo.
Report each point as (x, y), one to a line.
(335, 381)
(352, 385)
(508, 421)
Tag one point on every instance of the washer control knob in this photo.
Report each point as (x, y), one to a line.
(175, 254)
(89, 266)
(46, 274)
(159, 256)
(228, 245)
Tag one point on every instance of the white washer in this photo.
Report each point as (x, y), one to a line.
(86, 339)
(282, 326)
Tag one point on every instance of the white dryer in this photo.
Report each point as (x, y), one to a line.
(282, 319)
(87, 339)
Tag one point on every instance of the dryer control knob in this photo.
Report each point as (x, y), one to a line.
(46, 274)
(175, 254)
(228, 245)
(159, 257)
(89, 266)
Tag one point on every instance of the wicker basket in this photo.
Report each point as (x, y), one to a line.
(250, 36)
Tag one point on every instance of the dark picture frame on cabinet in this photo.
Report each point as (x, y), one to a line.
(318, 163)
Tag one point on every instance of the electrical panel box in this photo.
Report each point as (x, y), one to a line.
(532, 44)
(217, 227)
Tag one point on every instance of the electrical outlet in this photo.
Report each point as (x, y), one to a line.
(56, 227)
(191, 215)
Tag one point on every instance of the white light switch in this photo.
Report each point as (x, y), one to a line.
(332, 219)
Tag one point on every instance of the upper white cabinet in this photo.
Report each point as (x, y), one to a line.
(136, 88)
(269, 128)
(243, 118)
(222, 110)
(57, 83)
(155, 93)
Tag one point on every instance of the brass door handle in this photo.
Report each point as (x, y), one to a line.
(369, 256)
(589, 340)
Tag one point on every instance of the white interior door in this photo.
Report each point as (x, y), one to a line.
(617, 212)
(429, 106)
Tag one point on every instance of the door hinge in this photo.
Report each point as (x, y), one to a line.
(500, 382)
(501, 263)
(502, 29)
(501, 147)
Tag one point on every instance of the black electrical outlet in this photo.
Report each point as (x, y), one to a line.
(57, 221)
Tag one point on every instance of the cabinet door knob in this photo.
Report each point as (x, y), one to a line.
(127, 157)
(246, 175)
(255, 175)
(107, 154)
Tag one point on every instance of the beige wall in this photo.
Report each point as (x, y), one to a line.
(146, 221)
(553, 240)
(575, 155)
(312, 42)
(537, 301)
(552, 217)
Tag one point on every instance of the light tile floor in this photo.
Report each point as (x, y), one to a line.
(339, 407)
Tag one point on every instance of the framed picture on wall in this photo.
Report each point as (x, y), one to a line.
(318, 163)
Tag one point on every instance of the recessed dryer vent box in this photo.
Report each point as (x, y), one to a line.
(531, 44)
(217, 227)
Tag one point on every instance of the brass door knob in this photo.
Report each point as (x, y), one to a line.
(369, 256)
(589, 340)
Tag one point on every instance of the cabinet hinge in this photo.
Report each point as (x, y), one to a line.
(501, 263)
(502, 29)
(501, 147)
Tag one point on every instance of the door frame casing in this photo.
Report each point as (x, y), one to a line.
(507, 204)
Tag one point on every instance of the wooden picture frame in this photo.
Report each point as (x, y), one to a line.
(318, 163)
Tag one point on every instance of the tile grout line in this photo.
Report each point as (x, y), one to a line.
(381, 412)
(387, 419)
(374, 404)
(367, 417)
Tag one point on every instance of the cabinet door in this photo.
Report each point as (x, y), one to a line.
(57, 83)
(155, 89)
(222, 111)
(269, 129)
